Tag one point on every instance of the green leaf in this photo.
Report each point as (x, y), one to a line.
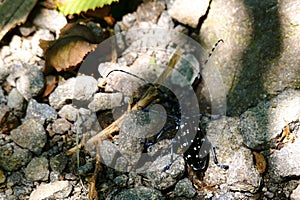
(76, 6)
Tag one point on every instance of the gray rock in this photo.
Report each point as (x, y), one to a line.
(80, 89)
(121, 180)
(15, 179)
(41, 34)
(4, 139)
(3, 196)
(105, 101)
(62, 94)
(71, 177)
(224, 136)
(55, 190)
(226, 196)
(2, 97)
(269, 194)
(243, 176)
(137, 126)
(4, 70)
(50, 19)
(120, 81)
(26, 30)
(141, 193)
(40, 112)
(165, 21)
(22, 192)
(12, 157)
(86, 122)
(169, 4)
(262, 124)
(108, 152)
(188, 13)
(37, 169)
(296, 193)
(259, 56)
(7, 120)
(30, 135)
(68, 112)
(16, 43)
(129, 20)
(85, 87)
(185, 188)
(285, 162)
(25, 50)
(150, 11)
(61, 126)
(16, 102)
(31, 83)
(58, 162)
(55, 176)
(155, 175)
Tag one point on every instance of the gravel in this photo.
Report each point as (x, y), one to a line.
(104, 101)
(50, 19)
(61, 126)
(68, 112)
(12, 157)
(40, 112)
(31, 83)
(59, 162)
(2, 97)
(81, 88)
(7, 120)
(150, 11)
(16, 102)
(36, 132)
(188, 13)
(55, 190)
(184, 188)
(139, 193)
(243, 176)
(289, 155)
(157, 177)
(37, 169)
(295, 194)
(260, 125)
(30, 135)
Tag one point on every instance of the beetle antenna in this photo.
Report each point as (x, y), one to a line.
(120, 70)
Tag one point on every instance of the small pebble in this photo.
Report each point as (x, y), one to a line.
(37, 169)
(40, 112)
(184, 188)
(55, 190)
(61, 126)
(30, 135)
(12, 157)
(68, 112)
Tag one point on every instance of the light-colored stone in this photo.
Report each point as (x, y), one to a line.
(189, 12)
(52, 190)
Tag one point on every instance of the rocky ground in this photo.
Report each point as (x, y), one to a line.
(250, 96)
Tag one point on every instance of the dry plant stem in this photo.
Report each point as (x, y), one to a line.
(93, 194)
(108, 133)
(149, 96)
